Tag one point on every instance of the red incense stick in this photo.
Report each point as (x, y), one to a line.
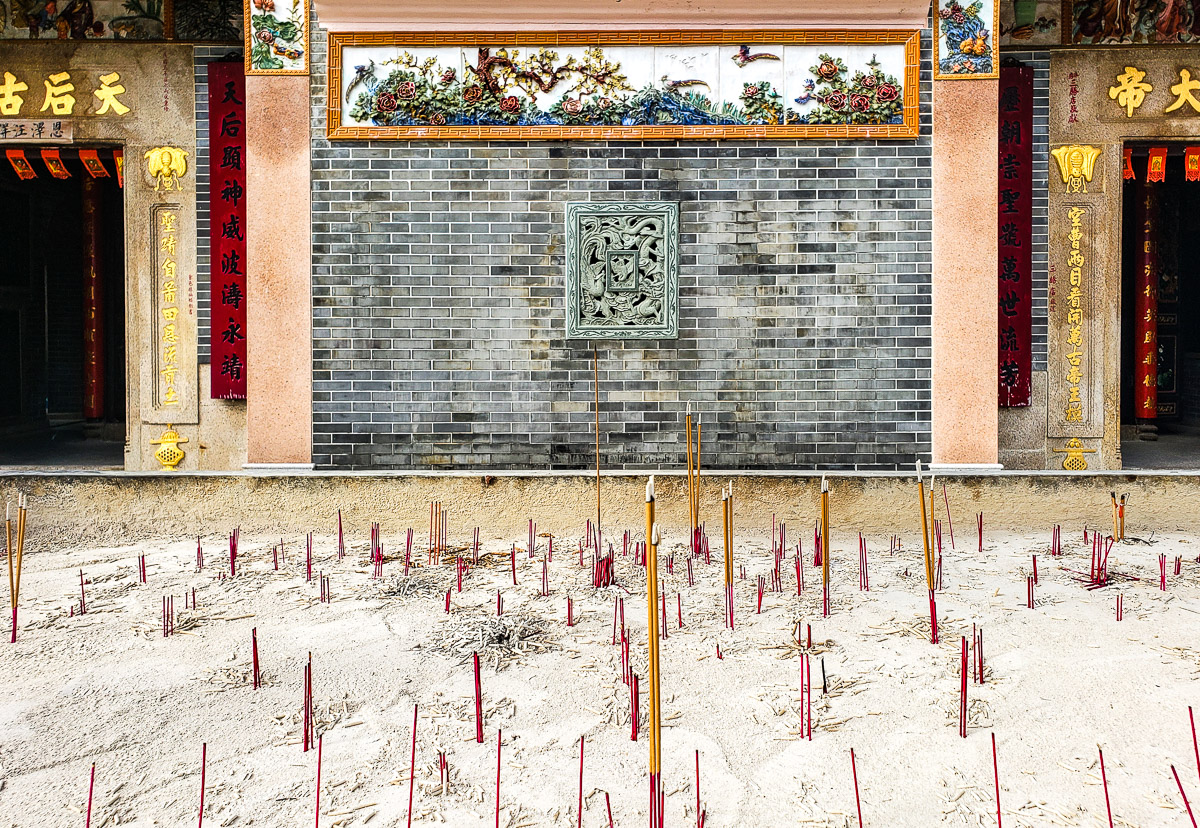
(1195, 746)
(478, 703)
(92, 785)
(996, 773)
(254, 650)
(1186, 804)
(320, 743)
(857, 801)
(962, 703)
(203, 768)
(579, 822)
(698, 817)
(1104, 779)
(498, 745)
(412, 767)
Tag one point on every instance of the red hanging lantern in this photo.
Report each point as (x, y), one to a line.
(20, 164)
(1191, 164)
(1156, 168)
(54, 163)
(1127, 173)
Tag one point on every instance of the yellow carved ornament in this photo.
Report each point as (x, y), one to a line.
(1074, 451)
(1076, 164)
(169, 453)
(166, 165)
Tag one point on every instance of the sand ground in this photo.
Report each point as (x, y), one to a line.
(1061, 680)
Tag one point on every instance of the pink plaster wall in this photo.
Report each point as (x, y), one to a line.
(279, 314)
(965, 397)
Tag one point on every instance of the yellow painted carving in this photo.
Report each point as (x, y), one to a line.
(1074, 451)
(169, 452)
(1130, 90)
(59, 99)
(10, 101)
(110, 88)
(1076, 164)
(1183, 92)
(166, 165)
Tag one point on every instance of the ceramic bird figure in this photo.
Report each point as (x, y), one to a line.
(672, 85)
(807, 95)
(361, 73)
(743, 56)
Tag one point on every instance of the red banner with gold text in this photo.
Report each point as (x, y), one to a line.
(1016, 236)
(1145, 343)
(227, 223)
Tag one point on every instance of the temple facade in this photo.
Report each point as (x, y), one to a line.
(367, 236)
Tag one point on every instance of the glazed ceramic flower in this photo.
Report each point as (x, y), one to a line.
(959, 18)
(437, 119)
(473, 94)
(944, 14)
(406, 91)
(827, 70)
(448, 76)
(860, 103)
(510, 104)
(572, 106)
(264, 36)
(751, 90)
(869, 82)
(887, 92)
(605, 103)
(836, 100)
(386, 102)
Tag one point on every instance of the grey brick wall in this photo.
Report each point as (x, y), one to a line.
(438, 330)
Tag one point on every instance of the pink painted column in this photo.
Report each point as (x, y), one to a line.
(965, 395)
(278, 260)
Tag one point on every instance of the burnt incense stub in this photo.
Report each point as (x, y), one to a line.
(623, 270)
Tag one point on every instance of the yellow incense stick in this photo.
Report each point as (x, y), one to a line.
(825, 552)
(924, 527)
(652, 661)
(696, 511)
(690, 484)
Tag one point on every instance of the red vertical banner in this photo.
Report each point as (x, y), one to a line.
(1156, 165)
(1145, 343)
(1015, 215)
(227, 223)
(1191, 164)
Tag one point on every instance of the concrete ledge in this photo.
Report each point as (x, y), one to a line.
(68, 509)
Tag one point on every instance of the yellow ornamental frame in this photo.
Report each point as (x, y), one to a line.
(909, 128)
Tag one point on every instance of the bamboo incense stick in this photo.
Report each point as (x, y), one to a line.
(1104, 780)
(925, 529)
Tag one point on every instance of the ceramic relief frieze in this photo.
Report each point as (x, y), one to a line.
(642, 84)
(964, 43)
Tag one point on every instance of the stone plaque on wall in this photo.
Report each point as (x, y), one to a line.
(623, 270)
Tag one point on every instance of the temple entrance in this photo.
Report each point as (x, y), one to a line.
(1160, 315)
(62, 310)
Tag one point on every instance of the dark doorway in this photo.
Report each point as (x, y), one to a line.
(62, 313)
(1163, 432)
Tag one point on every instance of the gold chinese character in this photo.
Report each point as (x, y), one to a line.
(168, 268)
(167, 222)
(170, 397)
(10, 101)
(1149, 317)
(171, 313)
(107, 95)
(168, 291)
(168, 374)
(170, 356)
(169, 334)
(1148, 359)
(167, 245)
(1149, 338)
(1074, 415)
(59, 99)
(1183, 92)
(1146, 403)
(1130, 90)
(1147, 380)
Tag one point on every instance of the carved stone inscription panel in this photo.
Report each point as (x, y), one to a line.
(623, 270)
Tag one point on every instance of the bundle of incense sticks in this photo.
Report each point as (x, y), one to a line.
(805, 697)
(925, 530)
(142, 569)
(326, 594)
(977, 649)
(864, 578)
(828, 547)
(933, 622)
(1029, 591)
(82, 596)
(1120, 607)
(693, 481)
(168, 615)
(727, 524)
(1056, 541)
(15, 556)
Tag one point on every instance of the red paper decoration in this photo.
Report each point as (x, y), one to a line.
(119, 163)
(1156, 169)
(20, 164)
(1191, 164)
(91, 163)
(54, 163)
(1127, 173)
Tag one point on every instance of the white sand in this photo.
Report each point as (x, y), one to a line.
(109, 688)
